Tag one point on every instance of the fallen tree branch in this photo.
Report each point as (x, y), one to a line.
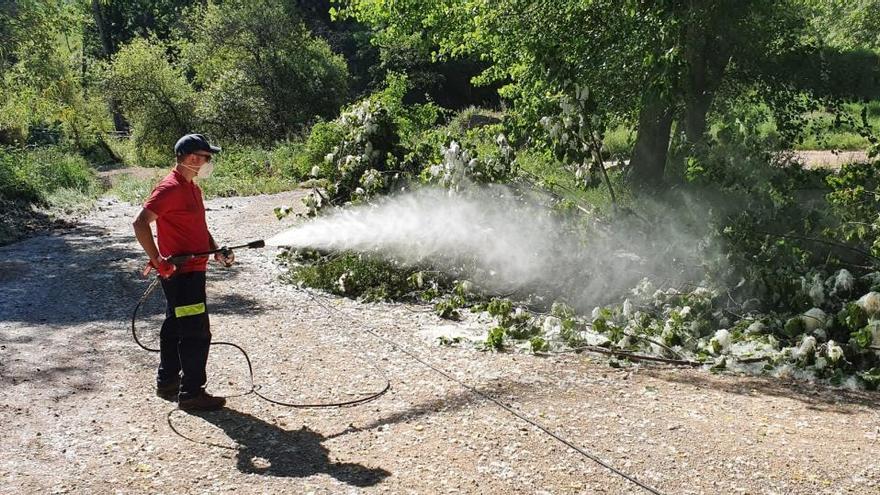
(643, 357)
(823, 241)
(636, 357)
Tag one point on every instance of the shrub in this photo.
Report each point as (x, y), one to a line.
(324, 136)
(362, 276)
(363, 162)
(245, 171)
(32, 176)
(15, 182)
(264, 76)
(154, 95)
(44, 93)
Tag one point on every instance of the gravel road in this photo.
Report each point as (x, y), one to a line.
(78, 413)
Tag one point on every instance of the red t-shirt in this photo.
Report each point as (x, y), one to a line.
(181, 225)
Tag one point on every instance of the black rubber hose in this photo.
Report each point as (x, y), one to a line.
(253, 387)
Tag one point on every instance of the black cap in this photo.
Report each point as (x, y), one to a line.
(193, 142)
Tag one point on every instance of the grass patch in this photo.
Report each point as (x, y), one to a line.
(238, 171)
(70, 201)
(619, 141)
(824, 133)
(36, 186)
(32, 176)
(247, 171)
(132, 188)
(225, 187)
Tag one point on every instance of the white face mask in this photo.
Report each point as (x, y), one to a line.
(204, 171)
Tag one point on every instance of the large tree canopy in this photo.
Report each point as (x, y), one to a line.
(655, 63)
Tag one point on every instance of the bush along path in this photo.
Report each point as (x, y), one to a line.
(79, 414)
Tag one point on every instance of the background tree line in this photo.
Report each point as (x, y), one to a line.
(255, 72)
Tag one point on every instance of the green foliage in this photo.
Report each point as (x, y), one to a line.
(538, 344)
(659, 61)
(851, 24)
(263, 76)
(245, 171)
(15, 181)
(411, 121)
(363, 161)
(514, 322)
(855, 200)
(361, 275)
(853, 317)
(43, 98)
(322, 139)
(576, 134)
(618, 141)
(33, 176)
(495, 339)
(155, 97)
(871, 378)
(115, 23)
(481, 155)
(448, 306)
(447, 309)
(793, 327)
(863, 337)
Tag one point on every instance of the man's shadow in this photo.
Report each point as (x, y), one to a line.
(269, 450)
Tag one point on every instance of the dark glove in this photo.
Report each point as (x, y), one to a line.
(225, 256)
(163, 266)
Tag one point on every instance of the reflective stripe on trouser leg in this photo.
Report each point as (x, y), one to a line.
(189, 310)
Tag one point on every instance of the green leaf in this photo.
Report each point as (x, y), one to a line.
(863, 337)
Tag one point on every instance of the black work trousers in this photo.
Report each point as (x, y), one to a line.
(186, 334)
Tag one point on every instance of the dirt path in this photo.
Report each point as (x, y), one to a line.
(78, 413)
(830, 159)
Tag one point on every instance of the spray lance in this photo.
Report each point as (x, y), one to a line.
(225, 251)
(180, 259)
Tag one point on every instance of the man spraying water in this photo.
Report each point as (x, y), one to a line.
(177, 208)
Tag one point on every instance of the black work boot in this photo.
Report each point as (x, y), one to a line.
(168, 391)
(202, 402)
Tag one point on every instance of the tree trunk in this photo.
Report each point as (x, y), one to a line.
(695, 112)
(698, 95)
(704, 77)
(103, 30)
(648, 160)
(708, 54)
(107, 48)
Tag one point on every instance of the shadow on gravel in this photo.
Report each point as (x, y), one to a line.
(268, 450)
(21, 219)
(87, 274)
(817, 397)
(68, 277)
(503, 391)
